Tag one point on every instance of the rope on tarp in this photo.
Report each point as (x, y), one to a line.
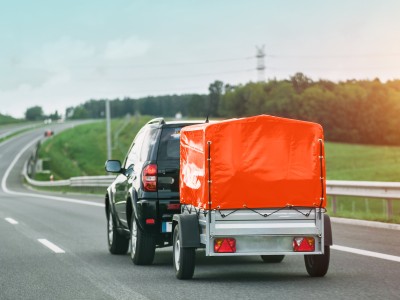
(321, 157)
(199, 211)
(225, 215)
(265, 215)
(193, 208)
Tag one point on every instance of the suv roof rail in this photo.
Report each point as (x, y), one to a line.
(156, 121)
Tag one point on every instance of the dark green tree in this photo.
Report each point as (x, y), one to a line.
(216, 90)
(80, 113)
(34, 113)
(300, 82)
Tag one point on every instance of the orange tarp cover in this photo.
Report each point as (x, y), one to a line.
(256, 162)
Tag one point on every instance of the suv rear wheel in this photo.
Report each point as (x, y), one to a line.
(117, 243)
(142, 245)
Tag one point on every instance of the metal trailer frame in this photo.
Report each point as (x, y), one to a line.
(259, 232)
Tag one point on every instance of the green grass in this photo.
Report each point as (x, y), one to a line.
(8, 120)
(82, 151)
(362, 162)
(373, 209)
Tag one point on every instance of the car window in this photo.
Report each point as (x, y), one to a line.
(134, 152)
(148, 142)
(169, 144)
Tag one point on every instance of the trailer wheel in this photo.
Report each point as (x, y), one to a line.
(317, 265)
(184, 258)
(272, 258)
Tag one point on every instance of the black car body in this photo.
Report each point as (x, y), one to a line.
(144, 196)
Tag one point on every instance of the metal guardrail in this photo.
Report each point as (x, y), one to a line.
(84, 181)
(369, 189)
(92, 181)
(372, 189)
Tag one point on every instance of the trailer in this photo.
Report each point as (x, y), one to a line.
(252, 186)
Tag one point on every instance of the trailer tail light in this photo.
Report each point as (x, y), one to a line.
(149, 178)
(304, 244)
(225, 245)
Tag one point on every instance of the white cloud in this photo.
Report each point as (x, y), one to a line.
(125, 48)
(63, 53)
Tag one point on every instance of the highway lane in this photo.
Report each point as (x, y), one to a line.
(30, 270)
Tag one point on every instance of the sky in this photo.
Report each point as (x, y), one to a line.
(57, 54)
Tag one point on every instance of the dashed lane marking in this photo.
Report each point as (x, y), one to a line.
(11, 221)
(51, 246)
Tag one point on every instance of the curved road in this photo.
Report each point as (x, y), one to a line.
(54, 247)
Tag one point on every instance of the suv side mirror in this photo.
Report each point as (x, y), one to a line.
(113, 166)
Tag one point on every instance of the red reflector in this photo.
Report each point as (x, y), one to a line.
(225, 245)
(149, 178)
(173, 206)
(304, 244)
(150, 221)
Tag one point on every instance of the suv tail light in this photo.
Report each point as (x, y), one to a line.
(149, 178)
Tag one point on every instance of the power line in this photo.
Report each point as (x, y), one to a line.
(173, 64)
(318, 56)
(186, 76)
(336, 68)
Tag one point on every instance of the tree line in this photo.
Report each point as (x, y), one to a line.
(352, 111)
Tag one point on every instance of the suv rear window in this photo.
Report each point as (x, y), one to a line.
(169, 144)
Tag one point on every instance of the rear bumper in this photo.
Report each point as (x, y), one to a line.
(263, 231)
(155, 216)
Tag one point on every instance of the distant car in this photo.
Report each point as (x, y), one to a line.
(48, 133)
(144, 196)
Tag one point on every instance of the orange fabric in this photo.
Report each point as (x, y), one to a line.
(257, 162)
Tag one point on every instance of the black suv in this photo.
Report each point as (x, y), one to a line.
(144, 196)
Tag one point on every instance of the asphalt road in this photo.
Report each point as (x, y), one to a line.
(78, 265)
(6, 130)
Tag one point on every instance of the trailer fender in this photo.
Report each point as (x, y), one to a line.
(328, 231)
(188, 230)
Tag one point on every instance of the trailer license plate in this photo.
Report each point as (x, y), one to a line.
(167, 227)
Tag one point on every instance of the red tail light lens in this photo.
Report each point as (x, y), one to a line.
(149, 178)
(225, 245)
(173, 206)
(304, 244)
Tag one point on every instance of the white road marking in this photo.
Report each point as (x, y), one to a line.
(11, 166)
(51, 246)
(366, 253)
(11, 221)
(373, 224)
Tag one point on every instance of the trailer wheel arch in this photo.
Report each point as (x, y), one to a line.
(188, 230)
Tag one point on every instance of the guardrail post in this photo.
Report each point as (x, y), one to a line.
(389, 208)
(334, 204)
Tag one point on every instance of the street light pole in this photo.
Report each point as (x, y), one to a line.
(108, 121)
